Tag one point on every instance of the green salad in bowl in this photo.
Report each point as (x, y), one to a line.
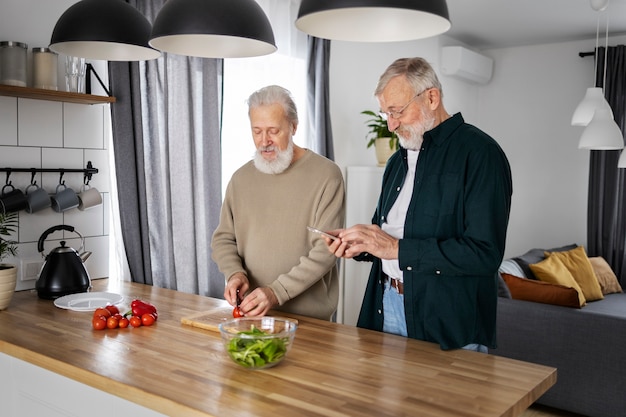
(258, 343)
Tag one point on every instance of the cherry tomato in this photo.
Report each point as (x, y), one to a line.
(99, 322)
(147, 319)
(113, 309)
(123, 323)
(237, 312)
(112, 323)
(102, 312)
(135, 321)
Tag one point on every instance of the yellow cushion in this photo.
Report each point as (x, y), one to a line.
(552, 270)
(606, 277)
(578, 265)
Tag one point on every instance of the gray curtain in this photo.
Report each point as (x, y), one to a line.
(319, 129)
(166, 135)
(606, 212)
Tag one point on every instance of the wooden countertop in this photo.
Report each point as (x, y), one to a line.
(331, 370)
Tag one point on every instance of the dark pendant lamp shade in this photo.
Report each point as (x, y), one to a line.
(213, 29)
(111, 30)
(373, 20)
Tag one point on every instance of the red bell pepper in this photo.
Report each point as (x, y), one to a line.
(140, 308)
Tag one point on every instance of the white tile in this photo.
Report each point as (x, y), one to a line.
(106, 204)
(98, 263)
(99, 159)
(83, 126)
(32, 225)
(19, 157)
(108, 127)
(40, 123)
(62, 158)
(88, 223)
(8, 121)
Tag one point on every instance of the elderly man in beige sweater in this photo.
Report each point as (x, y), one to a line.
(262, 245)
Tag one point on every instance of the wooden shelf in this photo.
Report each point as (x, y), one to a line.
(53, 95)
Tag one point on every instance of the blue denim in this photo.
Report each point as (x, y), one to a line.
(394, 320)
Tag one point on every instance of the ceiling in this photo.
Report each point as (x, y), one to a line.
(485, 24)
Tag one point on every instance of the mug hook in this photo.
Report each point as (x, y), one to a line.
(61, 181)
(7, 182)
(32, 177)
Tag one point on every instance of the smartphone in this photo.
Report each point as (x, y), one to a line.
(314, 230)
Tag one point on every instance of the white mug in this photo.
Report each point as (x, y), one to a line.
(89, 197)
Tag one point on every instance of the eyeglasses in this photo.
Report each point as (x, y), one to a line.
(396, 114)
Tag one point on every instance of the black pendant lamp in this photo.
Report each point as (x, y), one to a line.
(213, 29)
(111, 30)
(373, 20)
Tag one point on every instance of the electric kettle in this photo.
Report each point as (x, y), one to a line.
(63, 271)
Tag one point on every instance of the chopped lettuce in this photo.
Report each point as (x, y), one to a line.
(256, 353)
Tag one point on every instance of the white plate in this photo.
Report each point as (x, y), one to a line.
(87, 301)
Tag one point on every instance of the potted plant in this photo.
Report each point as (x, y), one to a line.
(8, 272)
(385, 142)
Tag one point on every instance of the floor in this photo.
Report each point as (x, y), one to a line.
(543, 411)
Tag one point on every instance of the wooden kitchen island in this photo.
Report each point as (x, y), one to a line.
(179, 370)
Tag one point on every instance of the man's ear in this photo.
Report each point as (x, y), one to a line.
(434, 98)
(294, 128)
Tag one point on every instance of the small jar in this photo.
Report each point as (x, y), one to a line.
(13, 63)
(44, 69)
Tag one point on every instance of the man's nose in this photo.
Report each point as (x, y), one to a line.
(392, 124)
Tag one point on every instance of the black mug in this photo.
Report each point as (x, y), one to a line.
(13, 200)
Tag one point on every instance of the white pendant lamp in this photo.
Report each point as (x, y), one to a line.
(622, 160)
(602, 133)
(213, 29)
(373, 20)
(594, 99)
(110, 30)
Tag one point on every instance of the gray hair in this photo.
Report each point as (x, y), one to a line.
(274, 94)
(417, 71)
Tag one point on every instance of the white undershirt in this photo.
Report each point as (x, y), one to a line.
(396, 217)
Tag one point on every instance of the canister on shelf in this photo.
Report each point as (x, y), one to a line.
(44, 69)
(13, 63)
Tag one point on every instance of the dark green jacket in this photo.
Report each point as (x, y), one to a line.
(454, 237)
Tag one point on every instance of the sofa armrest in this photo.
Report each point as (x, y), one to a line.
(587, 348)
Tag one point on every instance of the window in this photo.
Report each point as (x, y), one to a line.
(243, 76)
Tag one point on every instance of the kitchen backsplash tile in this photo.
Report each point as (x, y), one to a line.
(40, 123)
(8, 121)
(43, 134)
(83, 126)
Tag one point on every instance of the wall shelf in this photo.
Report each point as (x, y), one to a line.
(53, 95)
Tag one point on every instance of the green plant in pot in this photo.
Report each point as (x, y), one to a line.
(378, 135)
(8, 272)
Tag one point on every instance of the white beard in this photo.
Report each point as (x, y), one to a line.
(276, 166)
(412, 136)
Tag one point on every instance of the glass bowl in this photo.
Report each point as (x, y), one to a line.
(258, 343)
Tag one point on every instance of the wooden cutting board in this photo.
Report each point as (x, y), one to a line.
(209, 320)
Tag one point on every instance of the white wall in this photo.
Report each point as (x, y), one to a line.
(526, 107)
(48, 134)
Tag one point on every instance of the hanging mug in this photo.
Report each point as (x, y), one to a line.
(89, 197)
(13, 200)
(64, 199)
(38, 199)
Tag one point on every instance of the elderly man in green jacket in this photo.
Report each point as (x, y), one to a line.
(439, 228)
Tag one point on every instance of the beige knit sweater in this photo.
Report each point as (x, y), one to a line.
(262, 232)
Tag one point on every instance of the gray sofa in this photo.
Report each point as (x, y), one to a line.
(586, 345)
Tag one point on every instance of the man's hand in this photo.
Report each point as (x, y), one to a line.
(238, 281)
(258, 302)
(363, 238)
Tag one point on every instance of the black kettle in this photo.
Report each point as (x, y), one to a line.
(63, 271)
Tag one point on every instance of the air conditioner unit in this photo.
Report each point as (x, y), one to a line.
(460, 62)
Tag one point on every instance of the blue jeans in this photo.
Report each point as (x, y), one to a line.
(395, 320)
